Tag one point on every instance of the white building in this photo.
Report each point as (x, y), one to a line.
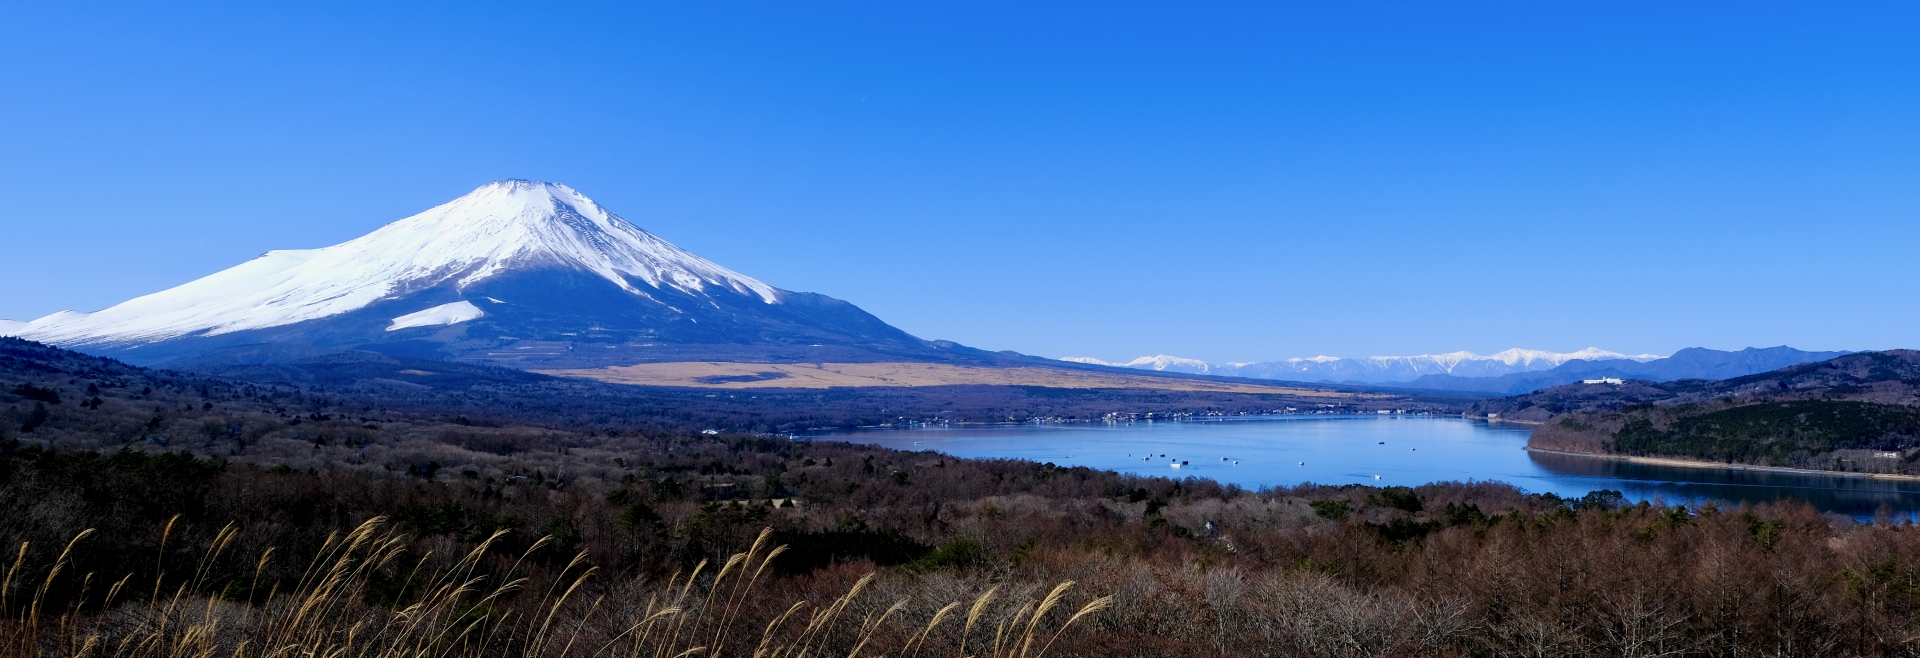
(1605, 380)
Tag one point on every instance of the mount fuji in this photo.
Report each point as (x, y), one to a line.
(517, 272)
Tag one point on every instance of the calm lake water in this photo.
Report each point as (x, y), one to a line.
(1380, 451)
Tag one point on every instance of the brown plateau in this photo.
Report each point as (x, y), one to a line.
(827, 375)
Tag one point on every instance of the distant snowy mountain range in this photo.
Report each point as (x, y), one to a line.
(1504, 373)
(1377, 369)
(519, 272)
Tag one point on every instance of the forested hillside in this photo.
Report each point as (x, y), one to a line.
(1856, 413)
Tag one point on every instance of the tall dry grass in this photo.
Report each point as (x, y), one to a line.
(473, 608)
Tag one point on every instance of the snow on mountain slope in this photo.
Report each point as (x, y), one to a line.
(1170, 363)
(1467, 363)
(1530, 358)
(1380, 369)
(11, 327)
(1162, 362)
(502, 226)
(444, 314)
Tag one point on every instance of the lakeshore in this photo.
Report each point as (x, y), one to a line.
(1698, 464)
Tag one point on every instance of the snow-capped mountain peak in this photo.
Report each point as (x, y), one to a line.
(1519, 356)
(511, 221)
(1161, 362)
(1169, 363)
(499, 227)
(1312, 359)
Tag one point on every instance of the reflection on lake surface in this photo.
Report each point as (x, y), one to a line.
(1381, 451)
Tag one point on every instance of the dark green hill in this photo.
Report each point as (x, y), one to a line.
(1859, 413)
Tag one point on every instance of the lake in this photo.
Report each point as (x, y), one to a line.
(1378, 451)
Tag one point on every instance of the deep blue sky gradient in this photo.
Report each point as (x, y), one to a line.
(1223, 181)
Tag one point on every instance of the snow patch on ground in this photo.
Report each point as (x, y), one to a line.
(444, 314)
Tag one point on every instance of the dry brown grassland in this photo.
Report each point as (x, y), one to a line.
(468, 608)
(702, 374)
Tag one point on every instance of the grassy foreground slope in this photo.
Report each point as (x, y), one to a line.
(378, 533)
(1856, 413)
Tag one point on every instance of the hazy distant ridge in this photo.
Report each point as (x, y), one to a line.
(1690, 363)
(1379, 369)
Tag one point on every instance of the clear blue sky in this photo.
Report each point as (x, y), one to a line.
(1226, 182)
